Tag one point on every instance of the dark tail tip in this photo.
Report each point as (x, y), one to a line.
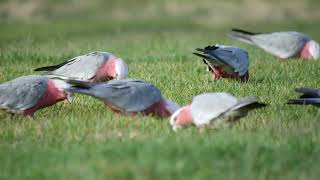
(256, 105)
(243, 31)
(200, 55)
(47, 68)
(200, 49)
(80, 84)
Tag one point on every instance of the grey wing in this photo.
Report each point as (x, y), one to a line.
(130, 95)
(281, 44)
(82, 67)
(22, 93)
(208, 106)
(236, 58)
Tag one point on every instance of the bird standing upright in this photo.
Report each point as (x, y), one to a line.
(283, 45)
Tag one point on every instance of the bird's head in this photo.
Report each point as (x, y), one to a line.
(314, 49)
(62, 86)
(121, 69)
(114, 68)
(181, 118)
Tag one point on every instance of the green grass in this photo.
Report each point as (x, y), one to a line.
(85, 140)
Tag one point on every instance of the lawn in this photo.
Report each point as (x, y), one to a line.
(85, 140)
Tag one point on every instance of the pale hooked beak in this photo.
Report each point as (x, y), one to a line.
(175, 126)
(121, 69)
(69, 97)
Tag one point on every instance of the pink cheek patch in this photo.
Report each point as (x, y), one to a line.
(305, 54)
(184, 116)
(107, 71)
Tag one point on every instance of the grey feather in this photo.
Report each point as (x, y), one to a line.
(246, 38)
(244, 105)
(129, 95)
(309, 96)
(22, 93)
(281, 44)
(214, 108)
(231, 59)
(81, 67)
(305, 101)
(308, 92)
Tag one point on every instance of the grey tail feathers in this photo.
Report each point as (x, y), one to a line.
(204, 56)
(47, 68)
(81, 84)
(80, 91)
(80, 87)
(308, 92)
(249, 103)
(53, 67)
(243, 31)
(241, 35)
(310, 101)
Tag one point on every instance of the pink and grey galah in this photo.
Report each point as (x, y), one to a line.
(212, 109)
(129, 97)
(27, 94)
(226, 61)
(283, 45)
(94, 67)
(310, 96)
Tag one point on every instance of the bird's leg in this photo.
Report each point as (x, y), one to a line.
(216, 73)
(245, 77)
(69, 97)
(29, 117)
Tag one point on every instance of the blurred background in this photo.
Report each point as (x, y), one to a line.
(204, 12)
(128, 26)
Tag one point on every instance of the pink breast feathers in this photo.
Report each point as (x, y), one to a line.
(184, 117)
(157, 109)
(218, 72)
(51, 96)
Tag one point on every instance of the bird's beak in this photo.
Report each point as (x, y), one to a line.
(121, 69)
(69, 97)
(176, 127)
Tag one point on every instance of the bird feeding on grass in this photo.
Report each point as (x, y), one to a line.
(283, 45)
(129, 97)
(27, 94)
(211, 109)
(309, 96)
(93, 67)
(226, 61)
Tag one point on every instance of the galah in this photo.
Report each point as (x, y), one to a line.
(128, 97)
(26, 94)
(283, 45)
(309, 96)
(211, 109)
(94, 67)
(226, 61)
